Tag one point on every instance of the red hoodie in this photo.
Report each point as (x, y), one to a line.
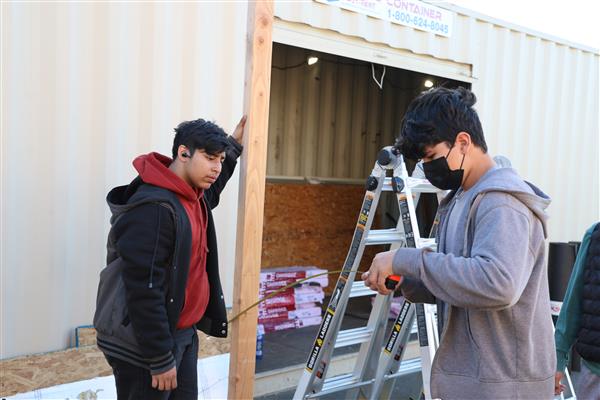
(154, 169)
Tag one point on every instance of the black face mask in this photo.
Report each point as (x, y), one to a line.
(439, 174)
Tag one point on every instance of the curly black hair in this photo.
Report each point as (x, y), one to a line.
(438, 115)
(200, 135)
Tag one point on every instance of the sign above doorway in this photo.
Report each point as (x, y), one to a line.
(413, 13)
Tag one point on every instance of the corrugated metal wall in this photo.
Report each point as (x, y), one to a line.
(330, 119)
(86, 88)
(538, 99)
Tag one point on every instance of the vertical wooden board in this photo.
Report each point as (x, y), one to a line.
(293, 111)
(359, 122)
(327, 123)
(343, 119)
(373, 124)
(310, 118)
(276, 114)
(251, 199)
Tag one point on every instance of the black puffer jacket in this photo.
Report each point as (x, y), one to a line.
(142, 289)
(588, 340)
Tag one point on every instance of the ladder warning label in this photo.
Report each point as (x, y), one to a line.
(397, 327)
(314, 354)
(422, 326)
(406, 223)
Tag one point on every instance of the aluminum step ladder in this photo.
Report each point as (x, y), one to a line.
(377, 365)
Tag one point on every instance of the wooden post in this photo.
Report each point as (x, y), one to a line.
(251, 199)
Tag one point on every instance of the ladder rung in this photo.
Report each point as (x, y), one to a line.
(353, 336)
(359, 289)
(407, 367)
(416, 185)
(384, 236)
(387, 185)
(338, 383)
(348, 381)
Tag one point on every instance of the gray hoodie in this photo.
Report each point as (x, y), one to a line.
(490, 271)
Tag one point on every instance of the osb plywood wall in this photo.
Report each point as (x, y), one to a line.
(307, 224)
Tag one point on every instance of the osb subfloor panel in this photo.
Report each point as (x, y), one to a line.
(25, 374)
(308, 224)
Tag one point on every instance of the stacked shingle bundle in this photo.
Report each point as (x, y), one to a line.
(295, 307)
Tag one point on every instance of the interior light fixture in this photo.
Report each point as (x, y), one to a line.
(428, 83)
(312, 60)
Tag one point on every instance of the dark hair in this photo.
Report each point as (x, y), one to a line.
(438, 115)
(200, 135)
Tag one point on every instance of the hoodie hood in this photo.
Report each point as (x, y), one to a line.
(507, 180)
(153, 169)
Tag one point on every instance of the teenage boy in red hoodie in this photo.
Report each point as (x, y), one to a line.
(161, 282)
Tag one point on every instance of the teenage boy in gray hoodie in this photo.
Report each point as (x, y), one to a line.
(489, 275)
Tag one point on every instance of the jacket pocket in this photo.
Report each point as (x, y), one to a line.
(458, 353)
(108, 288)
(494, 334)
(121, 326)
(112, 316)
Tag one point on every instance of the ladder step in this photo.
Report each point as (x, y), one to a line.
(384, 236)
(359, 290)
(415, 184)
(337, 384)
(407, 367)
(348, 381)
(353, 336)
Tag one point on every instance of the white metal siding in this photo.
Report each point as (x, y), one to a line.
(330, 119)
(86, 88)
(537, 98)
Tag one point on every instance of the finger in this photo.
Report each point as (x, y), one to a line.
(154, 382)
(161, 384)
(364, 276)
(174, 384)
(372, 277)
(399, 282)
(381, 284)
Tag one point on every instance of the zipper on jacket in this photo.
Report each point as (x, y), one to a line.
(150, 284)
(176, 247)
